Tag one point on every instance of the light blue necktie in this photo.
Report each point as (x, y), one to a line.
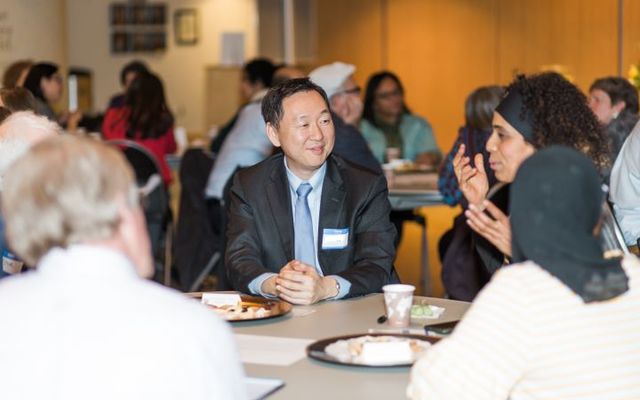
(303, 229)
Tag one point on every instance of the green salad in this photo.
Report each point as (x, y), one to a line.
(421, 310)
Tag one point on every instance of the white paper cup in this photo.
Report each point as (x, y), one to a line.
(397, 300)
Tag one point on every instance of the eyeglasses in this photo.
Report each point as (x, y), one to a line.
(355, 90)
(389, 95)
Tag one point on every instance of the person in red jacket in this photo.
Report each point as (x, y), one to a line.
(146, 119)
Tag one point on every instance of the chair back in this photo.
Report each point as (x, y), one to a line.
(144, 163)
(197, 246)
(610, 234)
(155, 198)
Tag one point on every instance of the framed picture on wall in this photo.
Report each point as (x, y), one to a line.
(138, 26)
(185, 23)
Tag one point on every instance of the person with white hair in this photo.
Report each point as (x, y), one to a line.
(337, 81)
(18, 132)
(85, 324)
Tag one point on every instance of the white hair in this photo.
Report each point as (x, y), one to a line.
(18, 133)
(64, 191)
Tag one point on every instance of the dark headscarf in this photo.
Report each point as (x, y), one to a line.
(556, 202)
(512, 109)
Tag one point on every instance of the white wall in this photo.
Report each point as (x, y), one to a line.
(181, 67)
(32, 29)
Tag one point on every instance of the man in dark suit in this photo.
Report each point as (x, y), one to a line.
(305, 225)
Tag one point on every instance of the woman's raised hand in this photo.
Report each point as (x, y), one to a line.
(473, 182)
(495, 229)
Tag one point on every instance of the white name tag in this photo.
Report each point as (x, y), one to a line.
(334, 239)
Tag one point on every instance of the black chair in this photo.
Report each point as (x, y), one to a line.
(198, 247)
(155, 202)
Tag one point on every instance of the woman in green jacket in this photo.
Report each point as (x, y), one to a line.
(388, 124)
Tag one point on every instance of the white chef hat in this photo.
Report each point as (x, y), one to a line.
(331, 77)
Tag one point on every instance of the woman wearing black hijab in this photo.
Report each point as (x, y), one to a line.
(556, 203)
(562, 324)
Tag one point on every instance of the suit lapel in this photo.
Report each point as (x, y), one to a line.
(277, 191)
(331, 208)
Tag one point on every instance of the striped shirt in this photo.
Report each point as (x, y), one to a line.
(527, 336)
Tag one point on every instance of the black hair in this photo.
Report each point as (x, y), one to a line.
(618, 89)
(150, 116)
(136, 66)
(561, 115)
(259, 70)
(34, 78)
(370, 94)
(479, 106)
(272, 111)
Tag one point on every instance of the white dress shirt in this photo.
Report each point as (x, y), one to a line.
(246, 145)
(625, 187)
(85, 326)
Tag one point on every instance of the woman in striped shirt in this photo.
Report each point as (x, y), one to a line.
(562, 325)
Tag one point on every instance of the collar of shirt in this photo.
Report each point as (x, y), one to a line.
(315, 181)
(87, 261)
(313, 199)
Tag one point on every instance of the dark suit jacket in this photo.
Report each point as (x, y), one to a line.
(351, 145)
(260, 231)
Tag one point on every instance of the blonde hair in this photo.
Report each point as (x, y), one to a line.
(63, 191)
(20, 131)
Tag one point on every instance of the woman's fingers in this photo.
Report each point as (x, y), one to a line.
(496, 231)
(495, 212)
(479, 163)
(459, 161)
(467, 173)
(459, 155)
(482, 224)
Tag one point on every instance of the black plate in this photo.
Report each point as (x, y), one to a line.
(316, 350)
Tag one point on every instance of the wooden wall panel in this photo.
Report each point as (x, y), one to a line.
(442, 50)
(351, 31)
(579, 35)
(631, 35)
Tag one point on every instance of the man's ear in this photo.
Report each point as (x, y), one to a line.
(134, 239)
(618, 107)
(272, 134)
